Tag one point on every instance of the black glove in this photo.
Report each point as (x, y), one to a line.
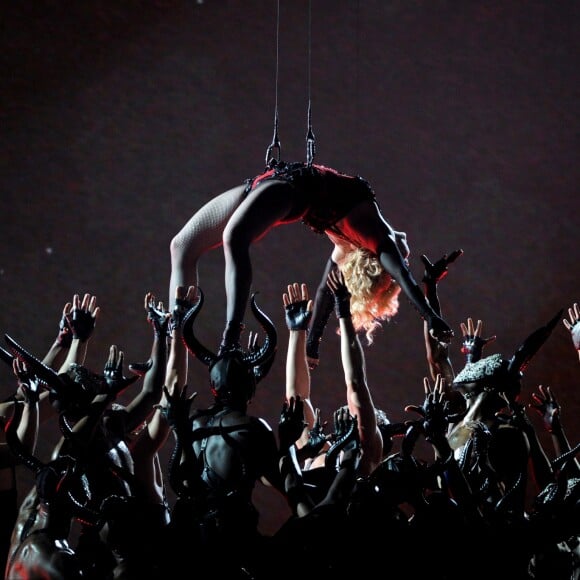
(177, 410)
(291, 423)
(434, 273)
(297, 315)
(340, 293)
(113, 374)
(82, 324)
(158, 318)
(28, 382)
(316, 438)
(346, 437)
(472, 347)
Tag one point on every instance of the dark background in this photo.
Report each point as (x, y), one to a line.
(119, 120)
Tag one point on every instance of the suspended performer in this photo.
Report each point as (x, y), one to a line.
(369, 252)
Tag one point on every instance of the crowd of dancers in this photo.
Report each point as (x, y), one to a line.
(361, 501)
(491, 501)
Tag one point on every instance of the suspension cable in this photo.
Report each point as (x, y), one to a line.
(274, 149)
(310, 141)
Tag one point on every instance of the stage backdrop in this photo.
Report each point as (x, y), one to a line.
(119, 120)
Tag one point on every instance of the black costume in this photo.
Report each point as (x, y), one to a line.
(325, 194)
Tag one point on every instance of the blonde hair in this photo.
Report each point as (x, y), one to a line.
(374, 294)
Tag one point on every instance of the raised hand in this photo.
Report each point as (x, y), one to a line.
(292, 423)
(573, 325)
(316, 437)
(434, 410)
(82, 317)
(514, 413)
(434, 273)
(298, 307)
(473, 344)
(27, 382)
(546, 405)
(345, 429)
(177, 409)
(337, 285)
(440, 330)
(346, 438)
(65, 331)
(157, 316)
(113, 374)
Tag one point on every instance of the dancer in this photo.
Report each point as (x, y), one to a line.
(342, 206)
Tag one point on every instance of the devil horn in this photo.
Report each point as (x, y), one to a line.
(263, 358)
(531, 345)
(193, 345)
(35, 366)
(6, 356)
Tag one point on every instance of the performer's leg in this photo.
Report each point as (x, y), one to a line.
(266, 207)
(202, 232)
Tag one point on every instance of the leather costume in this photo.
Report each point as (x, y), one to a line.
(326, 195)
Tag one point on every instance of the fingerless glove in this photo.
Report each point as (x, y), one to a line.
(298, 316)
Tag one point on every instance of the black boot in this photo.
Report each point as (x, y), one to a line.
(231, 337)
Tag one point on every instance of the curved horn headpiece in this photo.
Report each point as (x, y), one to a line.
(531, 345)
(260, 359)
(193, 345)
(35, 366)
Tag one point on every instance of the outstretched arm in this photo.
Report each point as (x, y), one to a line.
(141, 406)
(434, 425)
(82, 319)
(358, 395)
(27, 429)
(344, 456)
(76, 326)
(323, 303)
(298, 310)
(544, 402)
(290, 427)
(434, 273)
(177, 360)
(437, 351)
(58, 350)
(393, 262)
(539, 463)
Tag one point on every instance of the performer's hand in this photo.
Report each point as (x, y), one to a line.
(473, 343)
(573, 325)
(434, 273)
(83, 316)
(298, 307)
(337, 285)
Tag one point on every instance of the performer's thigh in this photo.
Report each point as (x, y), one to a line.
(207, 224)
(269, 205)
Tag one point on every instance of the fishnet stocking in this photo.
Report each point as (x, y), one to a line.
(203, 232)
